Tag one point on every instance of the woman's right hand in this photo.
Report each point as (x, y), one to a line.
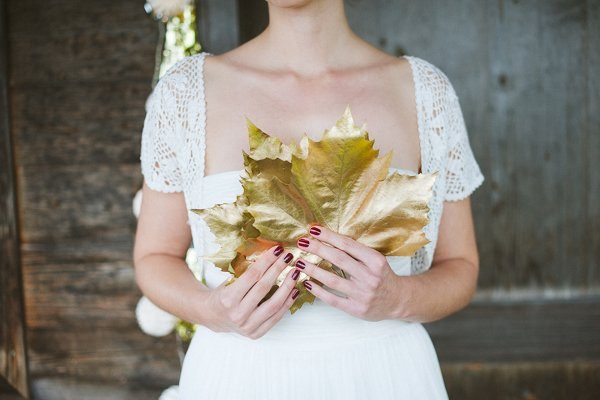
(235, 307)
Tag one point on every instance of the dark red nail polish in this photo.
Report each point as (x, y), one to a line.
(296, 274)
(315, 231)
(288, 257)
(296, 293)
(302, 242)
(300, 264)
(307, 285)
(278, 250)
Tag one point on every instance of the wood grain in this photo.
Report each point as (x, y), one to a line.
(534, 330)
(79, 79)
(13, 358)
(523, 381)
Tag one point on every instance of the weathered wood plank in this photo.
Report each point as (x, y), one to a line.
(77, 201)
(532, 330)
(81, 61)
(592, 142)
(71, 295)
(68, 17)
(548, 236)
(87, 123)
(536, 227)
(85, 314)
(526, 381)
(95, 43)
(111, 248)
(13, 359)
(95, 353)
(77, 389)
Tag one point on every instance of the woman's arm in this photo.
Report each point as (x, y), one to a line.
(162, 239)
(451, 282)
(161, 242)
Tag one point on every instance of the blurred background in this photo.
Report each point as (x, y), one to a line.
(74, 78)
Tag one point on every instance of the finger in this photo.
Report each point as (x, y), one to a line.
(254, 272)
(328, 278)
(334, 255)
(269, 323)
(250, 302)
(333, 300)
(276, 301)
(359, 251)
(282, 262)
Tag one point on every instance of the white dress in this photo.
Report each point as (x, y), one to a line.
(319, 352)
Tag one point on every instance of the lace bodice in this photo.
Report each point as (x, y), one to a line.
(173, 148)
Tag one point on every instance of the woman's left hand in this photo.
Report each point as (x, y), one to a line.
(373, 291)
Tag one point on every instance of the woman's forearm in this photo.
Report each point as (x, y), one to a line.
(447, 287)
(168, 282)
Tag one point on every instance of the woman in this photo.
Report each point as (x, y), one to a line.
(295, 77)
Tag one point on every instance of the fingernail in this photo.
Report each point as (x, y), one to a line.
(300, 264)
(307, 285)
(278, 250)
(315, 231)
(303, 242)
(288, 257)
(295, 293)
(296, 274)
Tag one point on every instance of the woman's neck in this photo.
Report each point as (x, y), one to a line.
(310, 39)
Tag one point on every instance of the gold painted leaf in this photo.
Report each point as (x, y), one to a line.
(227, 222)
(339, 182)
(264, 146)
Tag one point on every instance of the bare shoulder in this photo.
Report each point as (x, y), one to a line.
(385, 63)
(394, 73)
(223, 65)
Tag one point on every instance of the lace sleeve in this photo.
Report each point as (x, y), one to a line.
(160, 139)
(463, 175)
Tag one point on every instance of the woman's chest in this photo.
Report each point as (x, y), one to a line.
(288, 108)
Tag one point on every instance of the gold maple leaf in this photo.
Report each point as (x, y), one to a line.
(338, 182)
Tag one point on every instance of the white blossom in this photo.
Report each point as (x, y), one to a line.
(153, 320)
(168, 8)
(171, 393)
(137, 203)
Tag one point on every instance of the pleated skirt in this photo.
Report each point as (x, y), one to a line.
(319, 352)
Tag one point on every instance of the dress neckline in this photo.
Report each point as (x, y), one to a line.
(237, 172)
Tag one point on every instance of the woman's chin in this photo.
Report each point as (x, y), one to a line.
(290, 3)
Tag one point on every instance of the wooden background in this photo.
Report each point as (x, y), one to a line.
(526, 74)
